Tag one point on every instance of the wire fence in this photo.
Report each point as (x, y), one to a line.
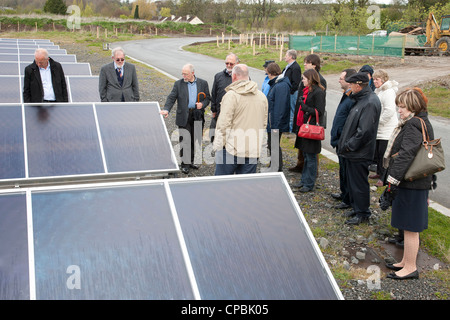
(358, 45)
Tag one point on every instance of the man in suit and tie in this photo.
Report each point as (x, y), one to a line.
(192, 97)
(118, 80)
(44, 80)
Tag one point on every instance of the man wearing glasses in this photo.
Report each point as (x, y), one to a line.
(118, 80)
(222, 80)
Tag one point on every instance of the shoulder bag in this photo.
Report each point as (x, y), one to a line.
(310, 131)
(429, 159)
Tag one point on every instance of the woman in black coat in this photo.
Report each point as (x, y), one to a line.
(312, 99)
(410, 204)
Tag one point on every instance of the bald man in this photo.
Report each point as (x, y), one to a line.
(44, 80)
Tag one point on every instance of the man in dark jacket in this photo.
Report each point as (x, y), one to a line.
(279, 101)
(191, 106)
(222, 80)
(293, 72)
(44, 80)
(341, 115)
(357, 145)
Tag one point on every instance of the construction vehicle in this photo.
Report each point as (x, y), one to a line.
(438, 35)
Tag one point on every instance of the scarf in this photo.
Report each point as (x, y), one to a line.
(387, 154)
(300, 111)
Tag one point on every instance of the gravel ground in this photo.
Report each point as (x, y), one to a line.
(339, 243)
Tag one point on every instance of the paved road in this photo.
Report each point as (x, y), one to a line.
(167, 56)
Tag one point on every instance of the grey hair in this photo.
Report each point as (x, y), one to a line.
(113, 51)
(190, 66)
(241, 71)
(292, 53)
(41, 51)
(231, 54)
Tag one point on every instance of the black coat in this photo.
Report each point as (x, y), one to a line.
(359, 134)
(294, 74)
(222, 80)
(180, 94)
(404, 149)
(315, 100)
(32, 85)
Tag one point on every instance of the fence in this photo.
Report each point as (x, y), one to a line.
(357, 45)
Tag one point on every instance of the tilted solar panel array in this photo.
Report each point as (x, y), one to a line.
(16, 54)
(70, 141)
(227, 237)
(153, 240)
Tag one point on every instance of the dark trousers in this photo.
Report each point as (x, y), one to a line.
(190, 135)
(358, 185)
(343, 181)
(275, 164)
(380, 149)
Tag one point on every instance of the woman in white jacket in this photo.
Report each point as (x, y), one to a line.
(386, 91)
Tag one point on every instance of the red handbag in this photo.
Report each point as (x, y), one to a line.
(310, 131)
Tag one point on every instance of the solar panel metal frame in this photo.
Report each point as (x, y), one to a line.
(176, 220)
(80, 178)
(71, 89)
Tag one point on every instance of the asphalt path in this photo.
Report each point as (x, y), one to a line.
(167, 56)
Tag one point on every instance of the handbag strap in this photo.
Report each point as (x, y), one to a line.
(317, 118)
(425, 136)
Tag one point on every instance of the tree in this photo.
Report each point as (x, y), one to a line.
(136, 12)
(55, 6)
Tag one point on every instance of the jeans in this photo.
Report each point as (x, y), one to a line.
(229, 164)
(309, 173)
(293, 102)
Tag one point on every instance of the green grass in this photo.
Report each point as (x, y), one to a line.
(438, 101)
(436, 239)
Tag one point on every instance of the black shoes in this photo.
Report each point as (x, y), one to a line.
(342, 205)
(337, 196)
(194, 166)
(412, 275)
(185, 170)
(349, 214)
(392, 267)
(357, 220)
(305, 189)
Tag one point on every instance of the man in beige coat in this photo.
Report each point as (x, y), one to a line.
(241, 125)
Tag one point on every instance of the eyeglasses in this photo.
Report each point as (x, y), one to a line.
(122, 59)
(229, 64)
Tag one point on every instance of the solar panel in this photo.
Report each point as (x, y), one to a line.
(83, 88)
(29, 57)
(9, 57)
(12, 159)
(14, 266)
(77, 141)
(138, 240)
(10, 91)
(9, 68)
(31, 51)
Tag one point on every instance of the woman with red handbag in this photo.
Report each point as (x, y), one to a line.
(313, 100)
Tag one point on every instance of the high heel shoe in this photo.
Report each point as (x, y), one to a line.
(392, 267)
(412, 275)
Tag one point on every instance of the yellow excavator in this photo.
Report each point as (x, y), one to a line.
(438, 35)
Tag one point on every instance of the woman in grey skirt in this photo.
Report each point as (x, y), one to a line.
(410, 204)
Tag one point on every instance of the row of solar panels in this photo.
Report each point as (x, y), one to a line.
(42, 143)
(10, 68)
(155, 239)
(79, 89)
(148, 239)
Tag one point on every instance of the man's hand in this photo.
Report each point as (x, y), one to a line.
(165, 113)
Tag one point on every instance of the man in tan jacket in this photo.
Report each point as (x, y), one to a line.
(241, 125)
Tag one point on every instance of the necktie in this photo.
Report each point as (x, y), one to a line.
(120, 72)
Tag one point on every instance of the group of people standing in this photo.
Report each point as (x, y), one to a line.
(373, 124)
